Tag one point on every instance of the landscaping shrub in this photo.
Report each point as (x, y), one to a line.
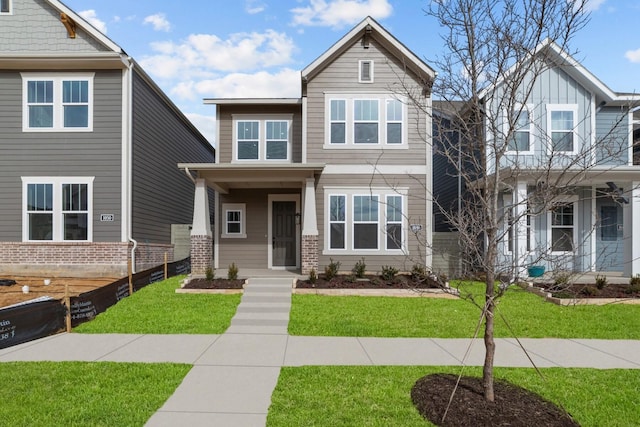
(313, 276)
(601, 281)
(232, 274)
(331, 270)
(359, 268)
(388, 272)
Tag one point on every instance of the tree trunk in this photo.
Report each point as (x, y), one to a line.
(489, 343)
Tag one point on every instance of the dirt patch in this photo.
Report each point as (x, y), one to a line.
(513, 405)
(56, 289)
(341, 281)
(214, 284)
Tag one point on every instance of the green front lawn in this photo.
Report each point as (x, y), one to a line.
(85, 394)
(157, 309)
(380, 396)
(529, 316)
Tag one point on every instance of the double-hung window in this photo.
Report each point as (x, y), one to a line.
(5, 7)
(561, 123)
(562, 227)
(57, 103)
(520, 139)
(365, 121)
(262, 139)
(234, 215)
(358, 221)
(57, 209)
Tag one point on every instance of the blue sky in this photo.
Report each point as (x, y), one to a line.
(197, 49)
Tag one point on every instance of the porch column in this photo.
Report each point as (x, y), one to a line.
(631, 225)
(201, 236)
(309, 229)
(520, 229)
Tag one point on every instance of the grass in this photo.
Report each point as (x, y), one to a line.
(380, 396)
(85, 394)
(157, 309)
(529, 316)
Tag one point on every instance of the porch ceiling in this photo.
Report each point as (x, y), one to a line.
(596, 175)
(223, 177)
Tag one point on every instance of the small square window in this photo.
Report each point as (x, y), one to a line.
(5, 7)
(234, 220)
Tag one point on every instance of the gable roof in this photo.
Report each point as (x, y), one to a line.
(575, 70)
(370, 26)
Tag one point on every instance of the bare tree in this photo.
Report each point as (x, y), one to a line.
(496, 53)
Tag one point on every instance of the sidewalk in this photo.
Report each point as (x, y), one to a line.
(234, 374)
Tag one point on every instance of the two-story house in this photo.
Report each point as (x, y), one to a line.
(570, 150)
(342, 173)
(88, 147)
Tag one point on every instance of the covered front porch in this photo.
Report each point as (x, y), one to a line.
(265, 216)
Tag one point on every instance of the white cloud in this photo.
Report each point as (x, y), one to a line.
(253, 7)
(593, 5)
(158, 21)
(92, 18)
(201, 55)
(282, 84)
(339, 13)
(205, 124)
(633, 55)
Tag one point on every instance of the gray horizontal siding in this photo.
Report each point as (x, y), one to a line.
(342, 75)
(34, 26)
(162, 194)
(226, 131)
(54, 154)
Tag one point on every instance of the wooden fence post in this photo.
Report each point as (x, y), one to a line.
(166, 273)
(67, 302)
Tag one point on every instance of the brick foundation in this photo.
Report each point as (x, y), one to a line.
(309, 253)
(201, 254)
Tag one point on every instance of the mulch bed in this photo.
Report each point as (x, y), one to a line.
(214, 284)
(573, 290)
(342, 281)
(513, 405)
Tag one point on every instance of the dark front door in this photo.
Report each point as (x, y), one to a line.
(609, 232)
(284, 234)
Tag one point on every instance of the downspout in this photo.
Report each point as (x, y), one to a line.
(129, 138)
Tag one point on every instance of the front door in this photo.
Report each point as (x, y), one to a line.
(609, 232)
(284, 234)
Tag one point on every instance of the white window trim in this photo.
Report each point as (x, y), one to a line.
(240, 207)
(371, 68)
(57, 212)
(574, 201)
(10, 12)
(349, 193)
(507, 115)
(387, 222)
(262, 136)
(329, 222)
(562, 107)
(349, 143)
(58, 110)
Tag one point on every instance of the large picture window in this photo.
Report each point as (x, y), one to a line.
(358, 121)
(361, 222)
(57, 209)
(257, 138)
(57, 102)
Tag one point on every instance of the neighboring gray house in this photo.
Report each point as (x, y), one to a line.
(88, 148)
(586, 129)
(342, 173)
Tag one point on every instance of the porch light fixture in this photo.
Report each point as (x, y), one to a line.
(298, 216)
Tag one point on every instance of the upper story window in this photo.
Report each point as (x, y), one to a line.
(262, 139)
(561, 124)
(5, 7)
(365, 71)
(57, 103)
(359, 121)
(521, 138)
(57, 209)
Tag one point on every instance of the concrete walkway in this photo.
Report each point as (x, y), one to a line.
(234, 374)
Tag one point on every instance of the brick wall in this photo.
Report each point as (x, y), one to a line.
(201, 254)
(309, 253)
